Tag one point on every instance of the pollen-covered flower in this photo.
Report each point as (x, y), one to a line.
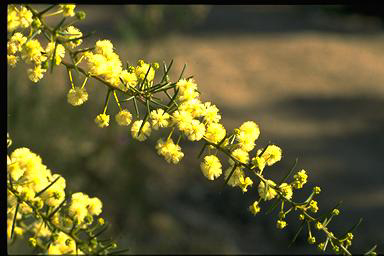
(12, 60)
(254, 208)
(313, 206)
(68, 9)
(187, 89)
(247, 134)
(169, 150)
(142, 69)
(267, 192)
(196, 130)
(211, 167)
(124, 117)
(129, 78)
(259, 162)
(159, 118)
(94, 206)
(32, 52)
(102, 120)
(215, 132)
(211, 113)
(240, 155)
(19, 18)
(36, 73)
(145, 130)
(60, 52)
(104, 47)
(183, 120)
(15, 43)
(77, 96)
(271, 155)
(193, 106)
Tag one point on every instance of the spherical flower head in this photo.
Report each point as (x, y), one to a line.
(97, 64)
(36, 74)
(187, 89)
(259, 162)
(286, 190)
(240, 155)
(234, 180)
(77, 96)
(254, 208)
(196, 130)
(25, 17)
(124, 117)
(280, 224)
(60, 52)
(193, 106)
(13, 20)
(182, 119)
(32, 52)
(142, 69)
(159, 118)
(129, 78)
(15, 43)
(94, 206)
(171, 152)
(15, 171)
(271, 155)
(102, 120)
(247, 134)
(104, 47)
(215, 132)
(68, 9)
(211, 167)
(267, 192)
(317, 190)
(145, 131)
(73, 33)
(12, 60)
(311, 240)
(211, 113)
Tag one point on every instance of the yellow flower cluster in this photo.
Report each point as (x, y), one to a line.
(211, 167)
(171, 151)
(34, 189)
(18, 18)
(68, 9)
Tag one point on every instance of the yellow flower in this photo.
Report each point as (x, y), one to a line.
(182, 119)
(73, 33)
(300, 179)
(247, 134)
(286, 190)
(68, 9)
(193, 106)
(142, 69)
(171, 152)
(94, 206)
(60, 52)
(215, 132)
(196, 130)
(254, 208)
(102, 120)
(32, 52)
(271, 155)
(259, 162)
(240, 155)
(12, 60)
(36, 73)
(129, 79)
(124, 117)
(104, 47)
(244, 183)
(234, 180)
(211, 113)
(281, 224)
(313, 206)
(77, 96)
(145, 131)
(267, 192)
(159, 118)
(211, 167)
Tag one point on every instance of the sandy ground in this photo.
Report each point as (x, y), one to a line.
(317, 94)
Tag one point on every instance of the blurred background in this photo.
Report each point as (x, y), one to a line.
(312, 77)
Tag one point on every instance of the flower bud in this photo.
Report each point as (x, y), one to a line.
(81, 15)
